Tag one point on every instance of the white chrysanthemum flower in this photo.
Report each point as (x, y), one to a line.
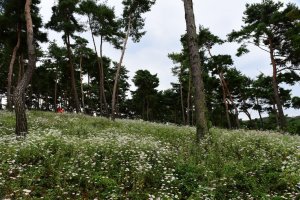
(26, 191)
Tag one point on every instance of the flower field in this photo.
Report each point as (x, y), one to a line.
(69, 156)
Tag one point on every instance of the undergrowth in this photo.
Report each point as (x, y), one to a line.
(69, 156)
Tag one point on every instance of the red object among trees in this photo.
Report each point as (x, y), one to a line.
(60, 110)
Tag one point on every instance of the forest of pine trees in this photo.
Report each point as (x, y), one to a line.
(78, 78)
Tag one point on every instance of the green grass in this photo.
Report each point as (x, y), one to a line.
(68, 156)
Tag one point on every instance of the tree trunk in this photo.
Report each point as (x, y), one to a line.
(113, 104)
(11, 67)
(21, 120)
(188, 101)
(102, 77)
(195, 61)
(231, 99)
(21, 68)
(147, 109)
(182, 104)
(81, 84)
(260, 117)
(75, 100)
(143, 110)
(261, 120)
(282, 120)
(246, 110)
(225, 104)
(88, 92)
(55, 94)
(248, 115)
(19, 72)
(223, 84)
(276, 116)
(100, 69)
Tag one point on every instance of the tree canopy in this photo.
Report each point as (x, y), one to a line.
(74, 72)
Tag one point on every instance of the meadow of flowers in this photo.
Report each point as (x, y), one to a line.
(69, 156)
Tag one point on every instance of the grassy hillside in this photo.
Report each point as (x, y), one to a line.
(79, 157)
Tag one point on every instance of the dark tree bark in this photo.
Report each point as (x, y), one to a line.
(226, 105)
(81, 84)
(102, 97)
(21, 68)
(224, 92)
(281, 117)
(231, 99)
(21, 120)
(259, 113)
(11, 67)
(245, 110)
(113, 104)
(55, 92)
(188, 100)
(201, 123)
(182, 104)
(75, 100)
(102, 77)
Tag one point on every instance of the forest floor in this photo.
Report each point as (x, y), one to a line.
(69, 156)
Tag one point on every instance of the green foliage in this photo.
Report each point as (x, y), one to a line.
(294, 126)
(133, 11)
(80, 157)
(296, 102)
(102, 21)
(242, 50)
(207, 39)
(13, 18)
(63, 19)
(271, 25)
(145, 95)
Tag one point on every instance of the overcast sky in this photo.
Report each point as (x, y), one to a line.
(165, 24)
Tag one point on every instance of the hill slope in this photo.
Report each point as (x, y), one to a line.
(79, 157)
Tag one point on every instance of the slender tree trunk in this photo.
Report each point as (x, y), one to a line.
(260, 117)
(81, 84)
(195, 61)
(276, 115)
(11, 67)
(21, 68)
(193, 117)
(246, 110)
(182, 104)
(55, 94)
(225, 104)
(75, 100)
(102, 77)
(188, 101)
(47, 102)
(231, 99)
(143, 111)
(261, 120)
(222, 82)
(21, 120)
(100, 69)
(248, 115)
(113, 104)
(88, 84)
(282, 120)
(147, 109)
